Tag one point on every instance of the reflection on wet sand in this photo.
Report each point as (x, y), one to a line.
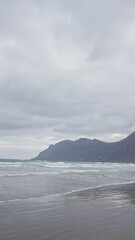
(123, 192)
(94, 214)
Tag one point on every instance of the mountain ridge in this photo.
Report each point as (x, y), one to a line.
(91, 150)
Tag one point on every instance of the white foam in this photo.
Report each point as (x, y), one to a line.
(10, 163)
(28, 174)
(79, 171)
(33, 198)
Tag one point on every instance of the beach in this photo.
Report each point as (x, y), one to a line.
(74, 204)
(100, 213)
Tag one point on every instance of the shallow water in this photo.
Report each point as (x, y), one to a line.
(76, 201)
(100, 213)
(29, 179)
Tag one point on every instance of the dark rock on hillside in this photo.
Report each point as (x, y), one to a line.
(91, 151)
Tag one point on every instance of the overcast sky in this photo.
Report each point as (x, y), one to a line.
(67, 70)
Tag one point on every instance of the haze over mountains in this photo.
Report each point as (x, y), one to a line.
(91, 151)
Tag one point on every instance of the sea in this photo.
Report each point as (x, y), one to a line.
(43, 200)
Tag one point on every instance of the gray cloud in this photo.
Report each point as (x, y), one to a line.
(66, 71)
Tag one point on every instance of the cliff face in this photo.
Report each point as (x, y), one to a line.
(91, 151)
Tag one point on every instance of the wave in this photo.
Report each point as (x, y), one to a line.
(28, 174)
(33, 198)
(79, 171)
(79, 164)
(64, 165)
(55, 172)
(73, 193)
(10, 164)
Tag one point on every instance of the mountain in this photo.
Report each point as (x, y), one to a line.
(91, 151)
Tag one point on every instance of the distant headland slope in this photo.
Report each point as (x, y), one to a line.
(91, 151)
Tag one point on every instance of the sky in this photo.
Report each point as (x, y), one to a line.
(67, 70)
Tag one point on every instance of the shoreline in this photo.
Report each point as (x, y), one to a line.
(101, 213)
(77, 192)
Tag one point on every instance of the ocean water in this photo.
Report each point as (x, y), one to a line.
(29, 179)
(66, 200)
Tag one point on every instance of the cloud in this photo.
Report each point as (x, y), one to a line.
(66, 71)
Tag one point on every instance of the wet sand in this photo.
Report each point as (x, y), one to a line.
(94, 214)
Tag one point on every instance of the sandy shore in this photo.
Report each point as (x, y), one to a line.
(125, 191)
(95, 214)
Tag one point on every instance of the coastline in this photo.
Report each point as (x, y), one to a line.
(106, 212)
